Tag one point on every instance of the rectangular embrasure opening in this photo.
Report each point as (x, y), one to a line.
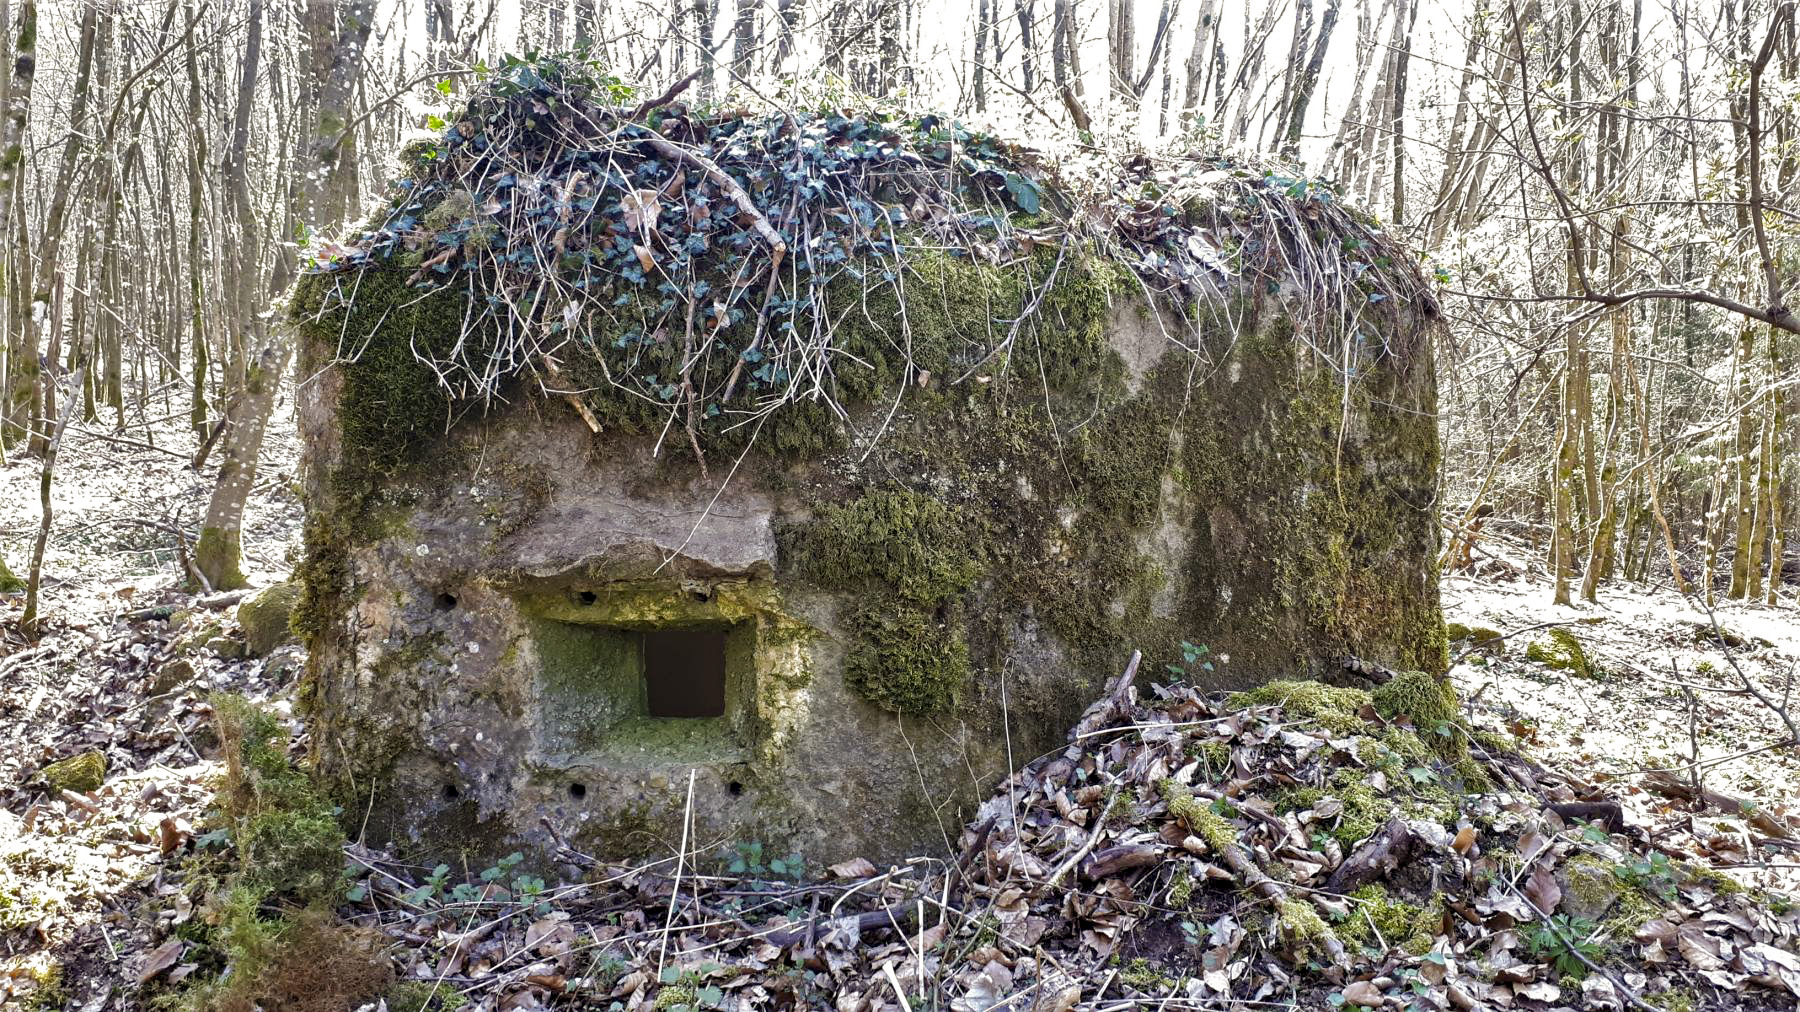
(684, 672)
(641, 693)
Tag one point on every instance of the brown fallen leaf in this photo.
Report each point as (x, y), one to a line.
(856, 867)
(171, 835)
(160, 958)
(1465, 839)
(1541, 889)
(1362, 993)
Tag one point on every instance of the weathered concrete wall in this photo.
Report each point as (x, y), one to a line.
(907, 618)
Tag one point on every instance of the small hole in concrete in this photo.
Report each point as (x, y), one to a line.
(577, 791)
(445, 602)
(735, 788)
(586, 597)
(450, 792)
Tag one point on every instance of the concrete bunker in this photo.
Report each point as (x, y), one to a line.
(844, 531)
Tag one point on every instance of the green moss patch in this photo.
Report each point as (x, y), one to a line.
(1334, 708)
(1377, 917)
(1562, 651)
(288, 838)
(1431, 705)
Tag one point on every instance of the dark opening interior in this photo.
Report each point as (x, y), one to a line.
(684, 672)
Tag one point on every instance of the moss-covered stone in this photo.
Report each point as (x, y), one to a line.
(265, 617)
(1562, 651)
(81, 773)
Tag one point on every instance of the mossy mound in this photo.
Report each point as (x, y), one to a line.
(9, 583)
(288, 838)
(265, 617)
(1480, 635)
(269, 936)
(1429, 704)
(81, 773)
(1560, 650)
(1334, 707)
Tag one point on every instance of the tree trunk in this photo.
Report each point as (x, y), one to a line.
(983, 27)
(196, 167)
(1402, 54)
(337, 40)
(1121, 49)
(16, 404)
(1301, 99)
(743, 38)
(217, 553)
(1743, 467)
(1026, 13)
(1773, 461)
(1194, 94)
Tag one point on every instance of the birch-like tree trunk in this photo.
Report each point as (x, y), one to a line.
(218, 552)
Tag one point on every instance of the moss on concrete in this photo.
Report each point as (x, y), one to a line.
(912, 544)
(392, 406)
(1066, 503)
(906, 658)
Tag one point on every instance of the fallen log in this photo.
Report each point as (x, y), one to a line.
(1670, 786)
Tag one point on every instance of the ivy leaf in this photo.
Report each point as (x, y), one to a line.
(1024, 192)
(443, 86)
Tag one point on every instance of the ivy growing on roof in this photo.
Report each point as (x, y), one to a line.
(706, 260)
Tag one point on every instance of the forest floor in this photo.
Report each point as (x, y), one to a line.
(92, 895)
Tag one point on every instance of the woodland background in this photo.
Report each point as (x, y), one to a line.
(1604, 188)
